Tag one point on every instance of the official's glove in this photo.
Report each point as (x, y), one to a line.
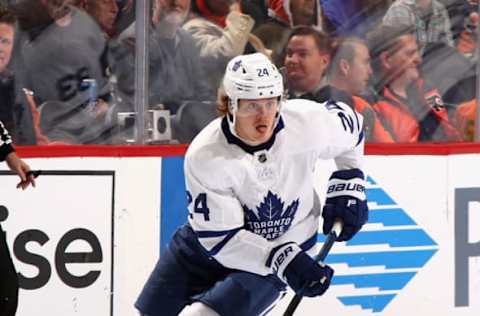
(303, 274)
(345, 200)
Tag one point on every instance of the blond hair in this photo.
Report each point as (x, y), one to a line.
(222, 102)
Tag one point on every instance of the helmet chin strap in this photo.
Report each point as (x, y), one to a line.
(232, 117)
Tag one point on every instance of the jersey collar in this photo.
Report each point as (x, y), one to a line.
(232, 139)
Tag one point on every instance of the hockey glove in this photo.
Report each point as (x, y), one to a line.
(303, 274)
(345, 200)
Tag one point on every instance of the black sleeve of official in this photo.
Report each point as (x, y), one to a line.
(5, 142)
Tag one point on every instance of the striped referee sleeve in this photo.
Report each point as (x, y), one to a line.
(5, 142)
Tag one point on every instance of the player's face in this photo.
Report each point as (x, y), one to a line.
(255, 119)
(6, 45)
(305, 63)
(360, 70)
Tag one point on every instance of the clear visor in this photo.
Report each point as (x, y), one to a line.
(257, 106)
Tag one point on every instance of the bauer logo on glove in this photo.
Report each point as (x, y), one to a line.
(346, 187)
(346, 200)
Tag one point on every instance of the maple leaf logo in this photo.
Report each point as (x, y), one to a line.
(272, 221)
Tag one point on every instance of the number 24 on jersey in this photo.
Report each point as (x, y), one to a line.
(199, 206)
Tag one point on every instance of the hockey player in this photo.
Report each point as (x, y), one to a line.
(254, 214)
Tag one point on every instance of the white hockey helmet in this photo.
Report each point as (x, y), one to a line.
(251, 76)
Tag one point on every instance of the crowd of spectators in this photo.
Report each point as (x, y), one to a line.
(67, 67)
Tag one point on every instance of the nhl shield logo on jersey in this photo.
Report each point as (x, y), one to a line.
(272, 220)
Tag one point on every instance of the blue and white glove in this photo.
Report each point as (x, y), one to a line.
(346, 200)
(296, 268)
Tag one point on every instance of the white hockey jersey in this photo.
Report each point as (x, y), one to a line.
(246, 200)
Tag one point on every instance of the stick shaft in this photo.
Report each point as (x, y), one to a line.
(322, 254)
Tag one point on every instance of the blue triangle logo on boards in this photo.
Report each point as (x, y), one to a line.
(381, 274)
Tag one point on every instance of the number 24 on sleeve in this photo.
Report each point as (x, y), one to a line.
(199, 206)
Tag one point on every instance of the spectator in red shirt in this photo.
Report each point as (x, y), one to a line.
(408, 107)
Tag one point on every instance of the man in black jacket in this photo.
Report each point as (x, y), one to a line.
(14, 110)
(9, 279)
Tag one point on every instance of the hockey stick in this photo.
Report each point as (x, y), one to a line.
(327, 245)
